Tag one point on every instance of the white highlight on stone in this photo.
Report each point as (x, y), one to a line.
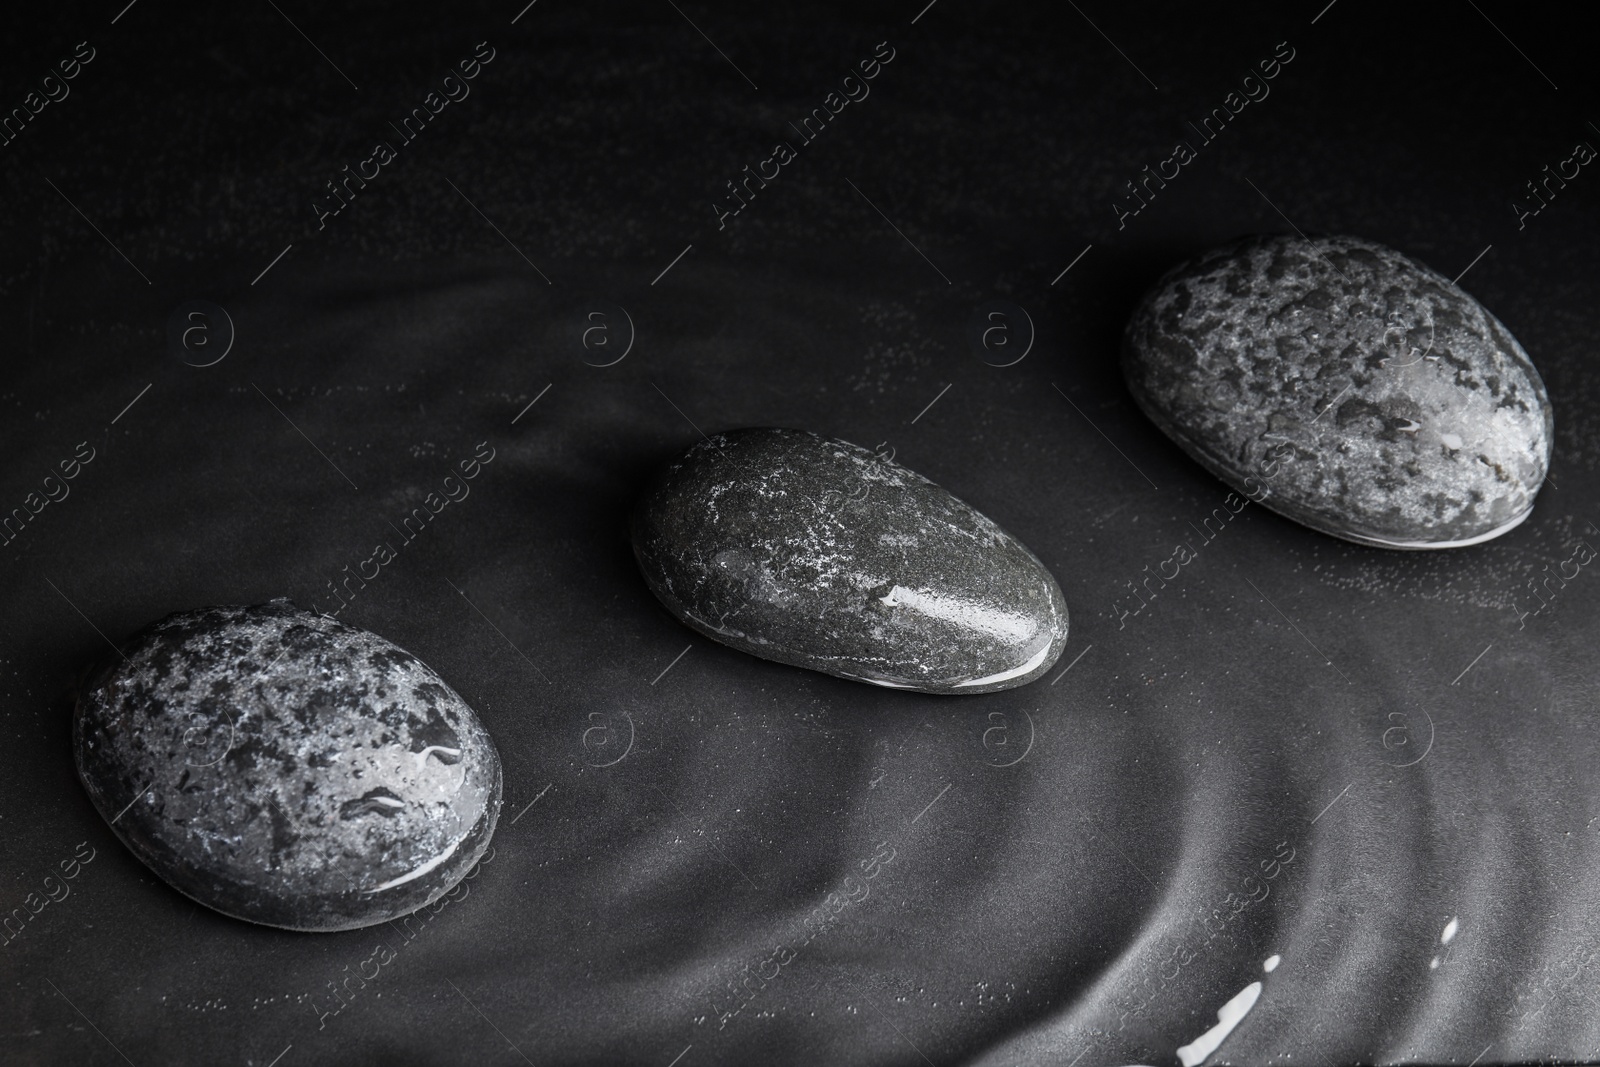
(1229, 1016)
(1451, 441)
(880, 681)
(966, 613)
(1272, 963)
(1384, 542)
(422, 757)
(1014, 672)
(420, 871)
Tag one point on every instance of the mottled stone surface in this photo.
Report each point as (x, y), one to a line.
(282, 767)
(1346, 386)
(821, 554)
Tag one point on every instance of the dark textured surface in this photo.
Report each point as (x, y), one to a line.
(1346, 386)
(281, 767)
(821, 554)
(743, 862)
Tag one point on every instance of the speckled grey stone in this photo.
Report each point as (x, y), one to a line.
(820, 554)
(282, 767)
(1346, 386)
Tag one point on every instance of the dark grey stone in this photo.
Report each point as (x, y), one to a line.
(282, 767)
(1345, 386)
(820, 554)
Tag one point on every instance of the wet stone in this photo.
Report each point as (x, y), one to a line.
(821, 554)
(1345, 386)
(284, 768)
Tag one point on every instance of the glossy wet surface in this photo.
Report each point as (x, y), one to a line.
(1284, 745)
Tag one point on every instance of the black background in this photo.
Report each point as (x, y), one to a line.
(1032, 913)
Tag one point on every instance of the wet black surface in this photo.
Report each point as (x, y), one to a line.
(820, 554)
(1438, 427)
(1300, 747)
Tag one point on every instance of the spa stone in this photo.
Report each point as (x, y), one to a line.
(284, 768)
(1346, 386)
(821, 554)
